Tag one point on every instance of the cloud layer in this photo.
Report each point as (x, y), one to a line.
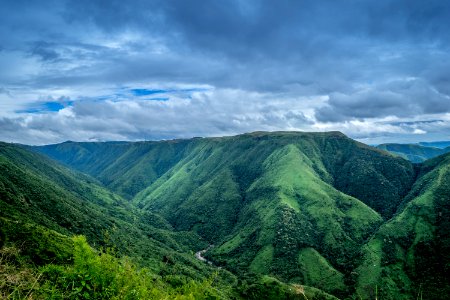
(81, 70)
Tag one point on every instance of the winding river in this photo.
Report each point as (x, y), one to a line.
(199, 255)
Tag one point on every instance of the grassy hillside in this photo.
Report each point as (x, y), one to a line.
(43, 205)
(414, 152)
(130, 168)
(409, 255)
(77, 271)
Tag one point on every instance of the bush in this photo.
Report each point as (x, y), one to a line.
(101, 275)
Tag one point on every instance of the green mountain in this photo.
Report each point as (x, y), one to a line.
(125, 168)
(138, 166)
(268, 200)
(292, 215)
(37, 190)
(416, 153)
(296, 206)
(43, 205)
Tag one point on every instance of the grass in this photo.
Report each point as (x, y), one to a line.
(262, 261)
(318, 272)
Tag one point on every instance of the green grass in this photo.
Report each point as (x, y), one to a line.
(39, 197)
(318, 272)
(262, 261)
(407, 253)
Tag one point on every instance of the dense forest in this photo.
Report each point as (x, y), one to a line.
(282, 215)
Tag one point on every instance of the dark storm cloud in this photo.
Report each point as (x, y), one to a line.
(230, 26)
(372, 59)
(299, 41)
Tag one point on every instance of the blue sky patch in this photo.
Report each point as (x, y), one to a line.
(146, 92)
(158, 99)
(44, 107)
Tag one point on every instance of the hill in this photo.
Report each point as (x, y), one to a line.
(264, 200)
(416, 153)
(125, 168)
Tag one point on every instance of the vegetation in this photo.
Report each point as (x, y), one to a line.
(284, 215)
(94, 275)
(409, 254)
(43, 203)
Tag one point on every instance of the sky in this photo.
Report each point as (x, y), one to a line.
(91, 70)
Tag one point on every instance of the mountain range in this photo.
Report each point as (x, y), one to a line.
(417, 153)
(287, 215)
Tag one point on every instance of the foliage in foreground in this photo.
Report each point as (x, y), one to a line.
(93, 275)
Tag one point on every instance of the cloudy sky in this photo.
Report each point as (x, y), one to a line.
(91, 70)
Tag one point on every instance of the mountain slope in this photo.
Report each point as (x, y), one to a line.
(414, 152)
(126, 168)
(35, 192)
(129, 168)
(409, 255)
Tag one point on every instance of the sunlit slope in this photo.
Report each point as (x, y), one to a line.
(234, 163)
(296, 226)
(409, 256)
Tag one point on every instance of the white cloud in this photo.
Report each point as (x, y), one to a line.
(204, 113)
(266, 66)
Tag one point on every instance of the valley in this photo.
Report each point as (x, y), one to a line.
(284, 210)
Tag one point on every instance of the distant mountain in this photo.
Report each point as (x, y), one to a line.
(442, 144)
(416, 153)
